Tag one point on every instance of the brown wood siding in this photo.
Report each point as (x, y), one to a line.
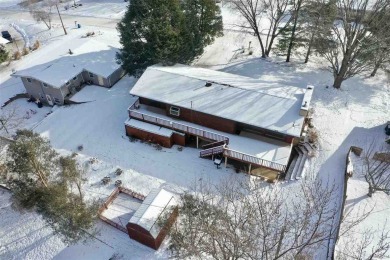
(179, 139)
(144, 237)
(151, 137)
(203, 119)
(215, 122)
(195, 117)
(141, 235)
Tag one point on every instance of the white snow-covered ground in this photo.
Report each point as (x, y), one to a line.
(343, 118)
(358, 203)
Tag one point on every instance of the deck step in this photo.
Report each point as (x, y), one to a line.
(301, 168)
(296, 166)
(291, 168)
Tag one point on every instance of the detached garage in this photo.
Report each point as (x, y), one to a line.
(144, 224)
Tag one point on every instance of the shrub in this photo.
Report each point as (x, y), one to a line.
(36, 45)
(17, 55)
(80, 148)
(25, 51)
(4, 55)
(313, 135)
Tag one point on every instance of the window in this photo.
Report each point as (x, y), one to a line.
(67, 83)
(175, 111)
(29, 80)
(91, 75)
(57, 101)
(75, 78)
(45, 85)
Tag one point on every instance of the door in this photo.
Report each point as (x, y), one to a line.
(49, 101)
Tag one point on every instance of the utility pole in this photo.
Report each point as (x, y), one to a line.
(61, 19)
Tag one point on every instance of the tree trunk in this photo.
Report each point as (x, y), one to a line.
(377, 65)
(337, 81)
(263, 55)
(340, 75)
(269, 46)
(290, 45)
(371, 191)
(308, 53)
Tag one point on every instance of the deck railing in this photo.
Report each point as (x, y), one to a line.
(253, 160)
(205, 134)
(212, 151)
(175, 125)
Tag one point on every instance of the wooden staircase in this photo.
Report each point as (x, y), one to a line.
(297, 168)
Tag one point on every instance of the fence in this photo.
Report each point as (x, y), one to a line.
(111, 198)
(253, 160)
(347, 174)
(175, 125)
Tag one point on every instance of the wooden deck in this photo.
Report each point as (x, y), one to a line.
(220, 140)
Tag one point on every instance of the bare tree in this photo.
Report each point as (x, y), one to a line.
(363, 247)
(376, 168)
(10, 119)
(42, 12)
(244, 221)
(253, 11)
(351, 46)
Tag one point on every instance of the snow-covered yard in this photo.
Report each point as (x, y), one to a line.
(342, 117)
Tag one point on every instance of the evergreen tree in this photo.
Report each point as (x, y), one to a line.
(202, 23)
(166, 31)
(318, 17)
(310, 27)
(3, 54)
(41, 180)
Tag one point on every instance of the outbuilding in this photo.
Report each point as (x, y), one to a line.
(145, 226)
(89, 62)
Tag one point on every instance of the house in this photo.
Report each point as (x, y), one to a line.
(242, 119)
(151, 222)
(54, 82)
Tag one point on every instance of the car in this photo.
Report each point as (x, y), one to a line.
(6, 35)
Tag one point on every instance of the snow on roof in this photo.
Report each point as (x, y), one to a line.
(250, 101)
(89, 55)
(3, 41)
(149, 127)
(146, 216)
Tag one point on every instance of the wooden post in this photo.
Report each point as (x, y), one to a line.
(63, 27)
(250, 167)
(225, 161)
(212, 156)
(197, 142)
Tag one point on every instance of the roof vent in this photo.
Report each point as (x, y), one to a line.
(208, 84)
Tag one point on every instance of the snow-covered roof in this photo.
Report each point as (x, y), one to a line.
(247, 100)
(89, 55)
(3, 41)
(149, 127)
(146, 216)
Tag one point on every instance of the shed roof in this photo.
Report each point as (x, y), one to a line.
(89, 55)
(146, 216)
(242, 99)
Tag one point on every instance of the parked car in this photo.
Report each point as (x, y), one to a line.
(6, 35)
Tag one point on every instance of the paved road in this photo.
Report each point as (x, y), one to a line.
(67, 19)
